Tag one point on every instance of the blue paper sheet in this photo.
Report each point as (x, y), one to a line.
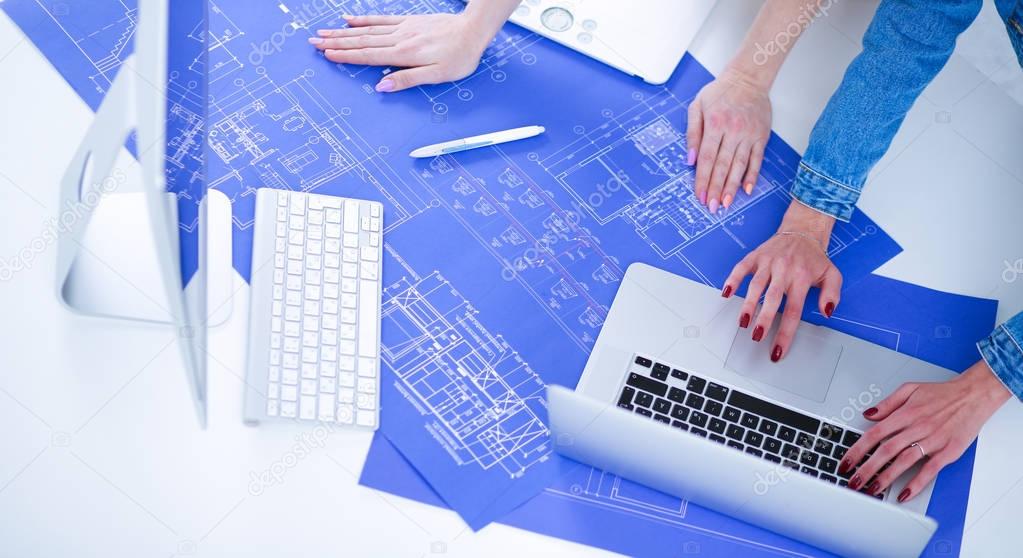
(500, 263)
(588, 506)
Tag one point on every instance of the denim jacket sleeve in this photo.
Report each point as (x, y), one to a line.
(1003, 353)
(906, 45)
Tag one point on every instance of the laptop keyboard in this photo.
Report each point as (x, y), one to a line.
(739, 420)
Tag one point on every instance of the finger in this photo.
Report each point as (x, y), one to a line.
(892, 403)
(356, 31)
(756, 288)
(772, 300)
(930, 469)
(706, 157)
(410, 77)
(831, 290)
(694, 131)
(726, 154)
(739, 164)
(364, 20)
(870, 440)
(886, 452)
(903, 461)
(756, 157)
(359, 41)
(739, 272)
(794, 299)
(389, 56)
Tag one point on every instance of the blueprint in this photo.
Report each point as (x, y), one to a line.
(592, 507)
(500, 263)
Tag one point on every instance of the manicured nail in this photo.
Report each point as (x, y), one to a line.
(829, 308)
(727, 292)
(713, 206)
(323, 32)
(744, 320)
(855, 482)
(874, 487)
(776, 353)
(844, 466)
(691, 157)
(758, 333)
(904, 494)
(727, 200)
(749, 188)
(703, 198)
(385, 86)
(346, 17)
(315, 40)
(870, 412)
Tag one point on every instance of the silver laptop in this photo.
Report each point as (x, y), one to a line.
(675, 396)
(646, 39)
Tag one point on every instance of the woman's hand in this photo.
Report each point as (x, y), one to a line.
(432, 48)
(942, 418)
(788, 264)
(729, 124)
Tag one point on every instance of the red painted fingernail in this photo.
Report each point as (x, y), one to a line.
(874, 487)
(904, 494)
(844, 466)
(870, 412)
(727, 292)
(855, 482)
(744, 320)
(829, 308)
(758, 333)
(776, 353)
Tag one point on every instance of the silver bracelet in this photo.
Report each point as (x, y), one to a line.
(816, 242)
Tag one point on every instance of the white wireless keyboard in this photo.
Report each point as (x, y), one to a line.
(314, 323)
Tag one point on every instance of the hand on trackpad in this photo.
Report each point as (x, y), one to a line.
(807, 369)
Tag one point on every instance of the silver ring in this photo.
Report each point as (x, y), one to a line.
(919, 447)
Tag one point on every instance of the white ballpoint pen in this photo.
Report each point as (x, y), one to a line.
(473, 142)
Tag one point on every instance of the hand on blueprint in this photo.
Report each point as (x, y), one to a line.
(942, 418)
(788, 264)
(431, 48)
(729, 124)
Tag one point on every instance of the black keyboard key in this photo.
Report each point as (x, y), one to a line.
(879, 496)
(843, 483)
(804, 440)
(644, 412)
(809, 471)
(772, 458)
(831, 432)
(718, 439)
(846, 474)
(694, 401)
(713, 408)
(662, 418)
(787, 434)
(643, 383)
(732, 414)
(735, 432)
(790, 452)
(828, 465)
(773, 412)
(717, 425)
(772, 445)
(823, 446)
(625, 400)
(753, 438)
(662, 406)
(644, 399)
(829, 478)
(808, 458)
(768, 427)
(791, 464)
(680, 424)
(644, 362)
(754, 451)
(677, 395)
(850, 438)
(734, 444)
(749, 421)
(699, 432)
(660, 371)
(676, 373)
(697, 418)
(696, 384)
(679, 412)
(839, 452)
(716, 392)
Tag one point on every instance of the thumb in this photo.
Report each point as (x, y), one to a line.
(831, 290)
(411, 77)
(694, 131)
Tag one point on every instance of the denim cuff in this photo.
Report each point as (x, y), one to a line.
(1004, 355)
(817, 191)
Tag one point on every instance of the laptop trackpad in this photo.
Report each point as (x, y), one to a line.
(805, 371)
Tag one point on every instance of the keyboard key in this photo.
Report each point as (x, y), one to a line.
(791, 464)
(850, 438)
(679, 374)
(697, 418)
(839, 452)
(694, 401)
(831, 432)
(772, 445)
(829, 478)
(749, 421)
(647, 384)
(679, 412)
(804, 440)
(718, 439)
(679, 424)
(662, 418)
(773, 412)
(662, 406)
(753, 438)
(772, 458)
(808, 458)
(717, 425)
(716, 392)
(713, 408)
(732, 414)
(790, 452)
(735, 432)
(696, 384)
(677, 395)
(768, 427)
(699, 432)
(644, 399)
(644, 412)
(809, 471)
(734, 444)
(625, 400)
(660, 371)
(823, 446)
(787, 434)
(828, 465)
(754, 451)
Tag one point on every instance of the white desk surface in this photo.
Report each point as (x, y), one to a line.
(101, 455)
